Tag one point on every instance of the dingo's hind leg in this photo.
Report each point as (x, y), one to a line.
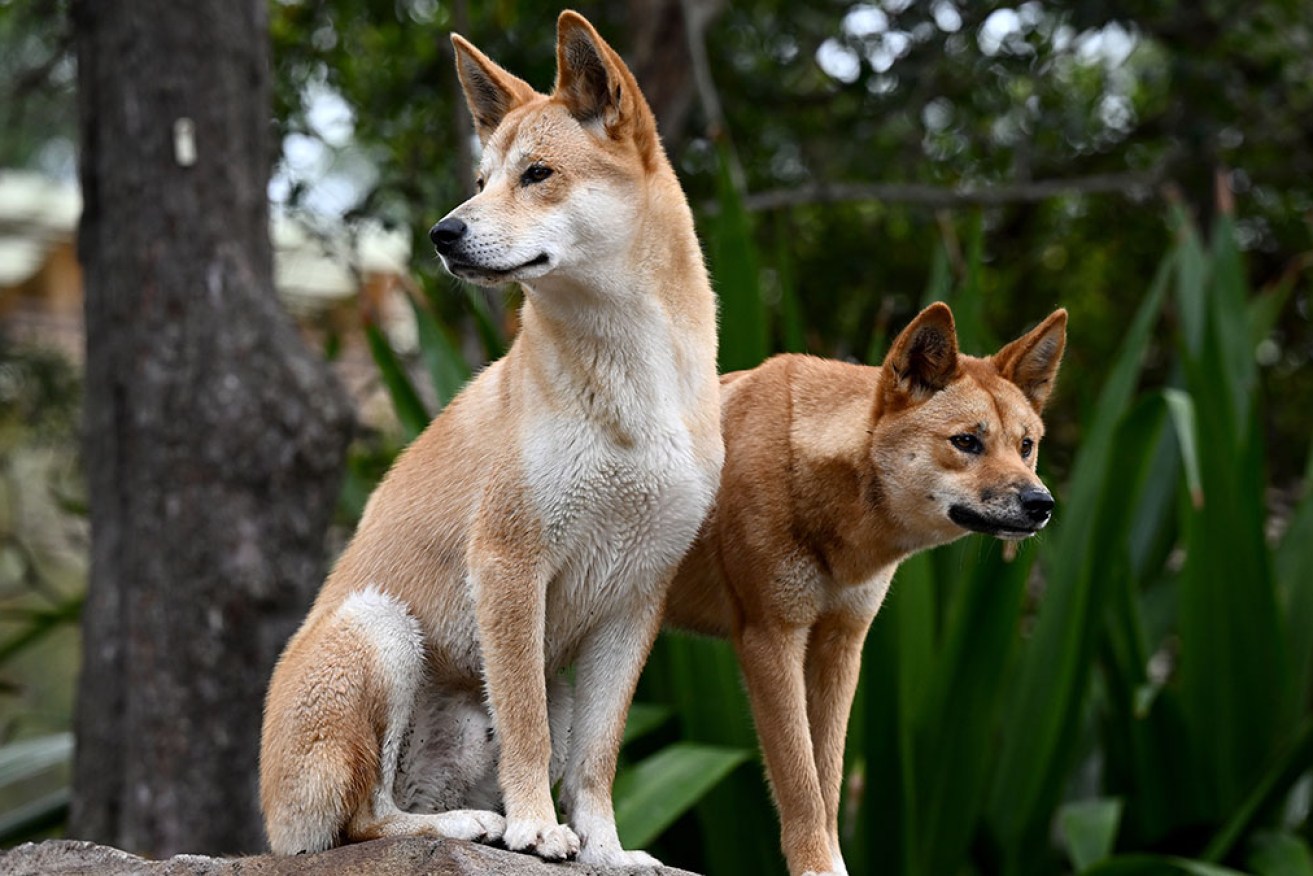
(399, 649)
(340, 684)
(339, 709)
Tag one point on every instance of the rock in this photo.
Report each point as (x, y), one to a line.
(405, 856)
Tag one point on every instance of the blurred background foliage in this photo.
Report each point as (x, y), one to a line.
(868, 131)
(1130, 693)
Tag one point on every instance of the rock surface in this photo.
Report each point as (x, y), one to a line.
(386, 857)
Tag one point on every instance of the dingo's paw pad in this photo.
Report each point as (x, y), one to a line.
(552, 842)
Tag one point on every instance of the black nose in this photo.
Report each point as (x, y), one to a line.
(1037, 502)
(445, 234)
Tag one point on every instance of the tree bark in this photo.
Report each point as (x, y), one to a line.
(214, 439)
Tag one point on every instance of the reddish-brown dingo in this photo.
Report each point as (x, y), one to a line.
(834, 473)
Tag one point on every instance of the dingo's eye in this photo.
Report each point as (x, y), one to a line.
(1027, 446)
(968, 443)
(535, 173)
(479, 183)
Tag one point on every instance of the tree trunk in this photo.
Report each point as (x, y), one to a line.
(214, 439)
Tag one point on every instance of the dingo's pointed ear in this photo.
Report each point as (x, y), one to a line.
(922, 360)
(596, 86)
(490, 91)
(1032, 360)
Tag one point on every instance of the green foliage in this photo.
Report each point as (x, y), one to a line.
(36, 624)
(1280, 854)
(38, 118)
(405, 398)
(650, 795)
(1158, 865)
(447, 368)
(22, 762)
(735, 268)
(34, 795)
(40, 395)
(1080, 571)
(1089, 828)
(41, 581)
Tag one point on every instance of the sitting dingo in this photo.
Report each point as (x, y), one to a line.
(538, 521)
(834, 473)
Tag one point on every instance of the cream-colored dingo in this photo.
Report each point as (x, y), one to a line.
(834, 473)
(537, 522)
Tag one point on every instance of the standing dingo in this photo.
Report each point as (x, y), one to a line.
(834, 473)
(538, 521)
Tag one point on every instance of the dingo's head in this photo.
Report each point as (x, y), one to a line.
(955, 438)
(561, 176)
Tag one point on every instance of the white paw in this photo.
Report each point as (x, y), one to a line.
(823, 873)
(472, 824)
(547, 840)
(616, 857)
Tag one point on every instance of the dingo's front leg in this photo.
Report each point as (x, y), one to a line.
(510, 609)
(772, 657)
(606, 673)
(834, 660)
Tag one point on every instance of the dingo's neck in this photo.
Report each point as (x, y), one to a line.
(635, 332)
(663, 266)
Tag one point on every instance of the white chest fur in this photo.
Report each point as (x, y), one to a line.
(614, 473)
(804, 592)
(616, 518)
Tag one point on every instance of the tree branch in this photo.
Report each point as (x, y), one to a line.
(939, 197)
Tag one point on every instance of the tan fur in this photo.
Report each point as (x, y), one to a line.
(834, 473)
(538, 520)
